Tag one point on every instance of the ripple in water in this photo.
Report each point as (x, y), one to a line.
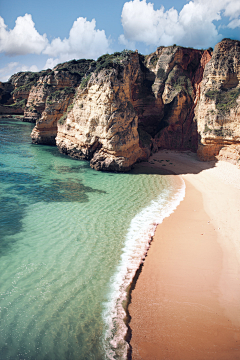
(71, 240)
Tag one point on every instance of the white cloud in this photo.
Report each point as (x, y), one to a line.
(14, 67)
(32, 68)
(50, 63)
(9, 67)
(234, 23)
(22, 39)
(192, 26)
(231, 8)
(142, 23)
(84, 41)
(130, 45)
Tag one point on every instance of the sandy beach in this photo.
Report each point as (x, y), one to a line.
(186, 302)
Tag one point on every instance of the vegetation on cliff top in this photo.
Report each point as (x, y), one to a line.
(75, 67)
(109, 61)
(29, 78)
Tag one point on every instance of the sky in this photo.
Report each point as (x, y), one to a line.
(37, 35)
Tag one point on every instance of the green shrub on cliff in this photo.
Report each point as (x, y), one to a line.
(19, 104)
(75, 67)
(161, 73)
(211, 94)
(69, 107)
(154, 60)
(225, 100)
(179, 80)
(207, 129)
(60, 94)
(183, 82)
(110, 61)
(63, 119)
(23, 88)
(30, 80)
(104, 62)
(85, 81)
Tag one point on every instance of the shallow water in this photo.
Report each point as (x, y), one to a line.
(71, 239)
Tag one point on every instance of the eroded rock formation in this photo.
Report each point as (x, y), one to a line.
(132, 105)
(218, 109)
(15, 92)
(51, 97)
(117, 110)
(102, 126)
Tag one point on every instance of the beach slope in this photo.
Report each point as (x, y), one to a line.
(186, 302)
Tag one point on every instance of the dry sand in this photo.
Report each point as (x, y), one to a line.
(186, 303)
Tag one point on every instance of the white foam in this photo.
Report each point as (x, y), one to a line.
(137, 241)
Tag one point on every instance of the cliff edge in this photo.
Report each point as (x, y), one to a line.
(119, 109)
(218, 108)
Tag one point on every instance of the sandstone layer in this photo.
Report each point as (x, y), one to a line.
(132, 105)
(102, 125)
(218, 109)
(51, 97)
(119, 109)
(14, 93)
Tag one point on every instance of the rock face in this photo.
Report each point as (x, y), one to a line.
(218, 109)
(178, 75)
(132, 105)
(102, 124)
(15, 92)
(51, 97)
(119, 109)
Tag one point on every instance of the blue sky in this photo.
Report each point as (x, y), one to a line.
(37, 35)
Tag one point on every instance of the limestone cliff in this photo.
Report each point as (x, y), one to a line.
(117, 110)
(102, 125)
(50, 98)
(6, 98)
(132, 105)
(15, 92)
(218, 109)
(178, 73)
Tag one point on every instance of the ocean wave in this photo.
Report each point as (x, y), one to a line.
(137, 242)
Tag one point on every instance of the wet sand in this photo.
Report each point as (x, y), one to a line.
(186, 303)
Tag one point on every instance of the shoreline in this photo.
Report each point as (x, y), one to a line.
(185, 303)
(137, 242)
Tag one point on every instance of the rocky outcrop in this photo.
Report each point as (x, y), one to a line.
(178, 76)
(15, 92)
(6, 99)
(218, 108)
(230, 153)
(5, 93)
(133, 105)
(102, 125)
(51, 97)
(119, 109)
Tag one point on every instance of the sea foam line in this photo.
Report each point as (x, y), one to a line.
(137, 242)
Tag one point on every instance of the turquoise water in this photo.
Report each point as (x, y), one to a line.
(71, 240)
